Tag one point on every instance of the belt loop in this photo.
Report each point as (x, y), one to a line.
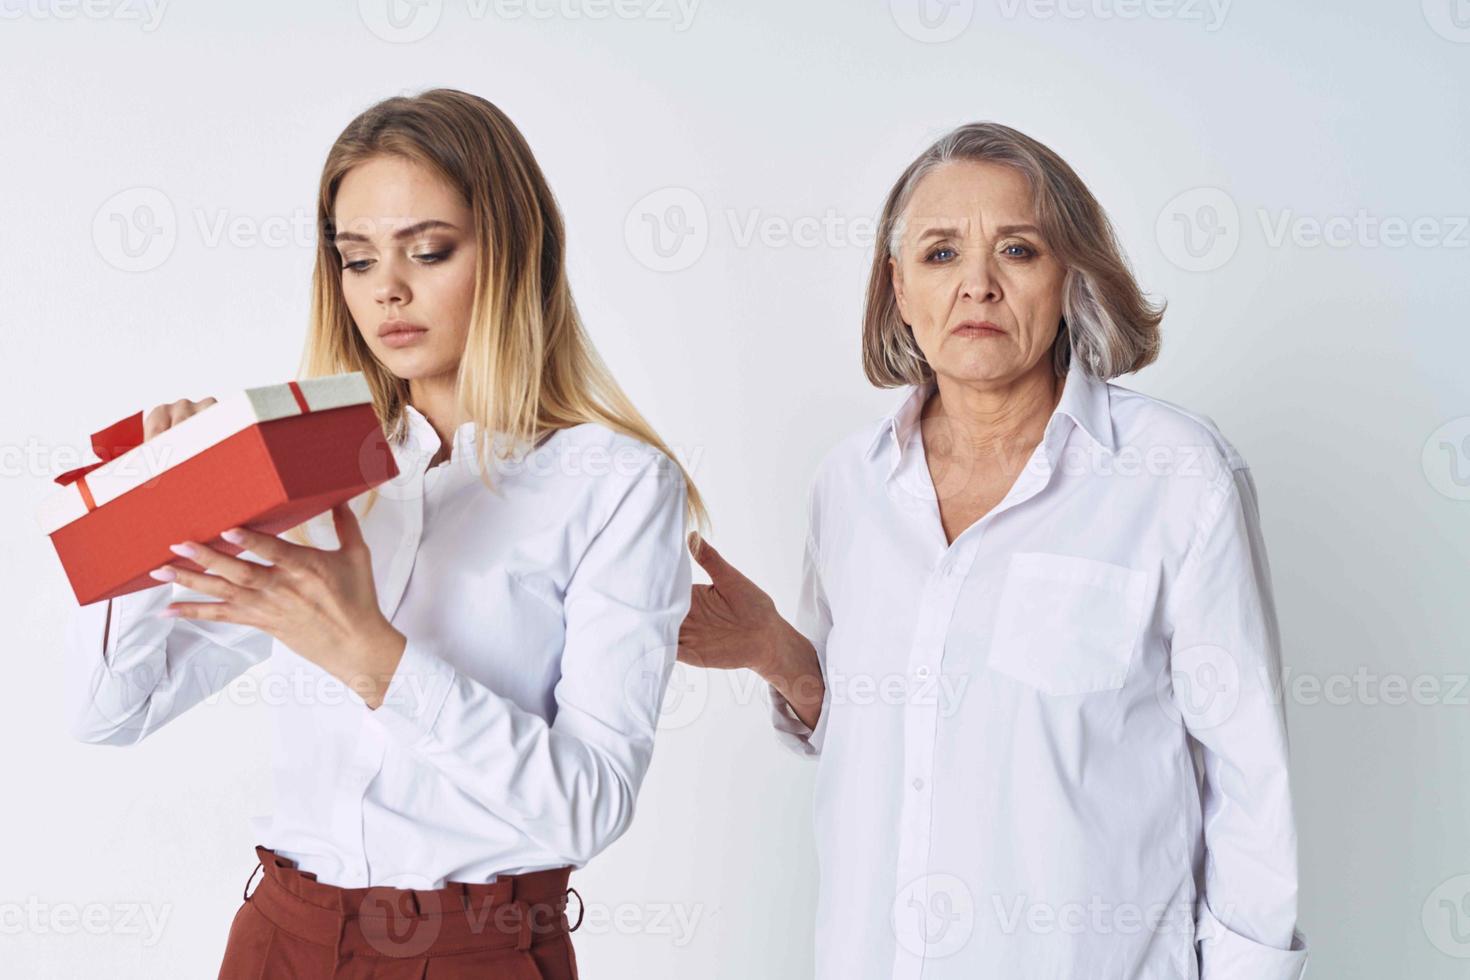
(341, 929)
(464, 894)
(523, 941)
(581, 907)
(245, 895)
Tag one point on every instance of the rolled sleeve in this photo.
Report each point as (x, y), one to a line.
(1222, 614)
(1226, 955)
(813, 621)
(791, 730)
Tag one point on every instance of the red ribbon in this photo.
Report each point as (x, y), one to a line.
(126, 434)
(109, 443)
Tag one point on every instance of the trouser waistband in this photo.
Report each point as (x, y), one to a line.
(513, 911)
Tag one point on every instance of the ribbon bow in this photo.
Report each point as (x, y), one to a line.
(108, 444)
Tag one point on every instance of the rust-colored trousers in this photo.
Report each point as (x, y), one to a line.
(293, 927)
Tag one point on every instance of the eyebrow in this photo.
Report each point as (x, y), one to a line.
(402, 233)
(1001, 231)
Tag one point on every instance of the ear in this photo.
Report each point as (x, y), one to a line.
(895, 273)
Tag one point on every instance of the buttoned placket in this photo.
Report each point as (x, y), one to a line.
(910, 479)
(372, 744)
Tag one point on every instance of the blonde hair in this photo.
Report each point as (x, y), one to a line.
(529, 368)
(1106, 320)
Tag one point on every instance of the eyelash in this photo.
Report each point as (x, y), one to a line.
(1030, 252)
(431, 258)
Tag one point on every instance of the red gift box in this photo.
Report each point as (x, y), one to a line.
(268, 457)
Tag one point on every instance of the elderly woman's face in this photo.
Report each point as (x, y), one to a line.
(973, 278)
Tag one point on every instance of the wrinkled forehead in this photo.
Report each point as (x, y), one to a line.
(968, 200)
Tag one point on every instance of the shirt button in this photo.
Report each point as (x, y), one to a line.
(921, 671)
(918, 783)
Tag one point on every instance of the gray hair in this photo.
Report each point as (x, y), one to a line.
(1107, 321)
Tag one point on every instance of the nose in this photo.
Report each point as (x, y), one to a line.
(390, 288)
(978, 281)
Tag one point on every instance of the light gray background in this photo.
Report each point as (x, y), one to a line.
(770, 131)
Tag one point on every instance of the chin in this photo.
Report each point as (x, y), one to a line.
(979, 370)
(409, 363)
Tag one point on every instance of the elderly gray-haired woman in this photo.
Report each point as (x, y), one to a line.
(1036, 647)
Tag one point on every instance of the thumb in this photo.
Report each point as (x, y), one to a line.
(349, 532)
(714, 564)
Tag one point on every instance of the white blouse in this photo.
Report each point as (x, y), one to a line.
(1054, 748)
(542, 623)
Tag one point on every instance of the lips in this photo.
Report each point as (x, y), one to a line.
(390, 327)
(977, 328)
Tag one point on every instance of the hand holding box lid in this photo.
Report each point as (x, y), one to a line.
(270, 457)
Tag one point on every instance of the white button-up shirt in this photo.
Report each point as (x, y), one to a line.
(1054, 748)
(542, 623)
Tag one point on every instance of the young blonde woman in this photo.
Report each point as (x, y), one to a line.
(473, 660)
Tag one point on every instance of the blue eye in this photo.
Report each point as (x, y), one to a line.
(353, 267)
(933, 256)
(1013, 249)
(433, 257)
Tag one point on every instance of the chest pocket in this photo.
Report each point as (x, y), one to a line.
(1067, 625)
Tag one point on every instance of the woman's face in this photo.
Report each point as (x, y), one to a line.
(971, 253)
(408, 254)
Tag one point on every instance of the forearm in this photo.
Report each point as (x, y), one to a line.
(790, 665)
(130, 672)
(373, 661)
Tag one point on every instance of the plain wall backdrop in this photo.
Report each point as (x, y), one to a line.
(1290, 177)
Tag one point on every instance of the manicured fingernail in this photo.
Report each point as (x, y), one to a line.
(167, 613)
(164, 574)
(187, 550)
(234, 536)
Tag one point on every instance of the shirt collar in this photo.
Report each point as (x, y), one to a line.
(423, 439)
(900, 422)
(1084, 401)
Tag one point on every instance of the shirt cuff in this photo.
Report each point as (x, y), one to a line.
(135, 615)
(416, 694)
(1226, 955)
(791, 730)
